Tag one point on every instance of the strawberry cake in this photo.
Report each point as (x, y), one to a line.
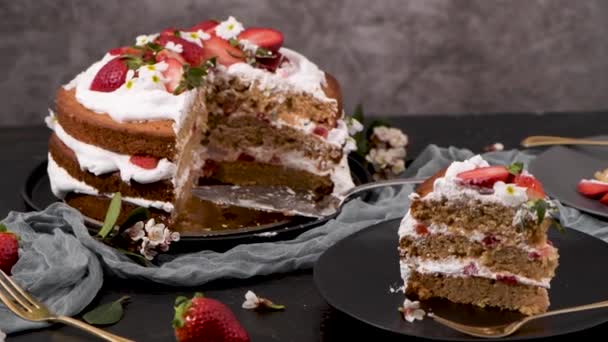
(216, 103)
(477, 234)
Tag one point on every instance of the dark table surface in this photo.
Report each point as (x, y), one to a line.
(308, 317)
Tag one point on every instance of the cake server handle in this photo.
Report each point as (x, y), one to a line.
(284, 200)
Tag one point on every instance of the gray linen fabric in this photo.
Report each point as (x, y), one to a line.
(59, 267)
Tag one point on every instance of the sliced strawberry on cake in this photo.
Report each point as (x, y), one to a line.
(192, 53)
(173, 74)
(206, 26)
(111, 76)
(221, 49)
(266, 38)
(534, 187)
(484, 176)
(144, 161)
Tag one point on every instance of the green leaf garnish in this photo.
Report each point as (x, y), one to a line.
(106, 314)
(3, 228)
(540, 207)
(193, 76)
(264, 53)
(111, 216)
(177, 33)
(515, 168)
(133, 62)
(558, 226)
(233, 42)
(154, 47)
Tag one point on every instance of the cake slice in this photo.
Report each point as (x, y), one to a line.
(477, 234)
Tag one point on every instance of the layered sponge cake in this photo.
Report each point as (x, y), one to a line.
(213, 104)
(477, 234)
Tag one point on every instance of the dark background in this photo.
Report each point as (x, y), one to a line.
(398, 57)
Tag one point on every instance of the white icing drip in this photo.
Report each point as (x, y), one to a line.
(454, 267)
(99, 161)
(449, 187)
(299, 75)
(131, 104)
(63, 183)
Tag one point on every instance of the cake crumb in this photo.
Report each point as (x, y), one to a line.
(396, 289)
(411, 310)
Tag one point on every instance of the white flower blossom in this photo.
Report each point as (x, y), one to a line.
(411, 310)
(155, 232)
(195, 37)
(171, 46)
(147, 249)
(398, 167)
(145, 39)
(229, 29)
(354, 126)
(385, 157)
(511, 194)
(136, 232)
(393, 136)
(251, 300)
(248, 46)
(149, 76)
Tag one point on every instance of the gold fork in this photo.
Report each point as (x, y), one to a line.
(542, 140)
(26, 307)
(507, 329)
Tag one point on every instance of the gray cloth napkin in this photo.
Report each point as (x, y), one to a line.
(61, 268)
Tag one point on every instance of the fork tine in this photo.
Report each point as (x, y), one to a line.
(29, 298)
(16, 308)
(7, 285)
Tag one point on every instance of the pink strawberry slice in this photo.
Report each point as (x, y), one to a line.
(165, 54)
(192, 53)
(173, 74)
(484, 176)
(206, 26)
(144, 161)
(111, 76)
(125, 50)
(534, 186)
(263, 37)
(321, 131)
(225, 53)
(591, 188)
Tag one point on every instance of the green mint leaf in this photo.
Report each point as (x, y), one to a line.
(211, 63)
(540, 207)
(106, 314)
(559, 226)
(233, 42)
(133, 62)
(177, 33)
(136, 215)
(515, 168)
(154, 47)
(3, 228)
(111, 216)
(264, 53)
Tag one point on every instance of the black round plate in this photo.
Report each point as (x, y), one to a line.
(37, 195)
(560, 169)
(355, 276)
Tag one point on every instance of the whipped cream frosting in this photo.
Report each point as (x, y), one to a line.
(450, 187)
(63, 183)
(134, 104)
(100, 161)
(455, 267)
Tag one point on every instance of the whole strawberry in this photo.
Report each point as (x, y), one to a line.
(9, 249)
(206, 319)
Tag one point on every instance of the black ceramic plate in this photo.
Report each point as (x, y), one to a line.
(561, 168)
(37, 195)
(355, 276)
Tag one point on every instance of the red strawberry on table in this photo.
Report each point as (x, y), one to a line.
(111, 76)
(192, 53)
(484, 176)
(266, 38)
(9, 250)
(226, 54)
(534, 187)
(205, 319)
(591, 188)
(144, 161)
(207, 25)
(173, 74)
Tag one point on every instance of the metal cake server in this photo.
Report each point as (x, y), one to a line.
(285, 200)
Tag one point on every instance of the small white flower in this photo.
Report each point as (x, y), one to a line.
(145, 39)
(354, 126)
(393, 136)
(229, 29)
(171, 46)
(136, 232)
(251, 301)
(511, 194)
(155, 232)
(385, 157)
(195, 37)
(147, 249)
(411, 310)
(398, 167)
(248, 46)
(150, 76)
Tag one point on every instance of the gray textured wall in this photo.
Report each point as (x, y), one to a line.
(398, 57)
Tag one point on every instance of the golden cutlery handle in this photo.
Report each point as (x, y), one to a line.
(91, 329)
(598, 305)
(543, 140)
